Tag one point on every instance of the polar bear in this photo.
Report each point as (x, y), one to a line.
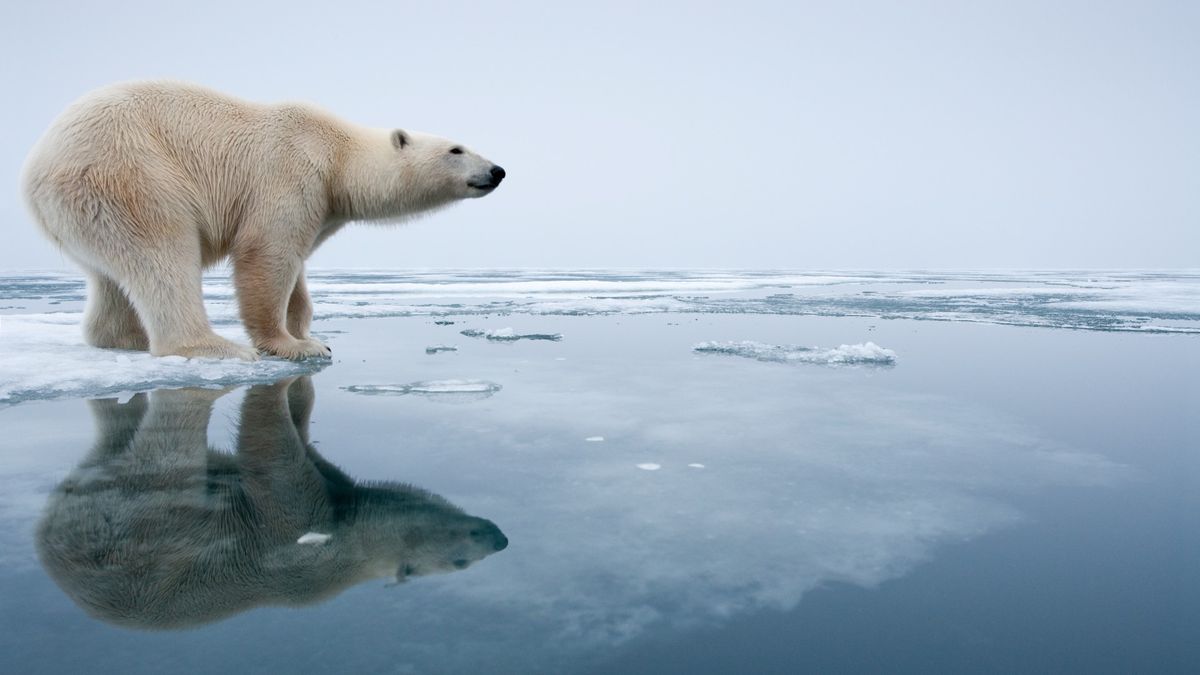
(144, 184)
(154, 529)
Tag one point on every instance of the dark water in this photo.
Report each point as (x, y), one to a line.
(1001, 499)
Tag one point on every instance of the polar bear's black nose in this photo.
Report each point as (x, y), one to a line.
(497, 174)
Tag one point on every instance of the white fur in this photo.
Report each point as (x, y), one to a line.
(146, 183)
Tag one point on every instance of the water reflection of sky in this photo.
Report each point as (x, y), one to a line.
(772, 480)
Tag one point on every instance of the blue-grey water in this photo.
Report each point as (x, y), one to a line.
(874, 473)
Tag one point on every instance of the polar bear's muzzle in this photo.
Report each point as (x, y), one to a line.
(489, 181)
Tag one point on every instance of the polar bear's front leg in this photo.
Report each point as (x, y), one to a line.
(265, 280)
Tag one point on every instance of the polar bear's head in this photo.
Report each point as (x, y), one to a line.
(397, 174)
(441, 165)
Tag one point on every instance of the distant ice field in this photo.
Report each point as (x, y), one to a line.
(42, 354)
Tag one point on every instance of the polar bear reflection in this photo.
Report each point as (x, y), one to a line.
(156, 530)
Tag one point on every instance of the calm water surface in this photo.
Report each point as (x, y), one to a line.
(1013, 499)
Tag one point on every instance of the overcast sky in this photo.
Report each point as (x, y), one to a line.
(738, 134)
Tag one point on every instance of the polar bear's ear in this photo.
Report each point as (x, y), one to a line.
(399, 139)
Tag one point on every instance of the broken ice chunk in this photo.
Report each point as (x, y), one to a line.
(509, 335)
(867, 353)
(427, 387)
(314, 538)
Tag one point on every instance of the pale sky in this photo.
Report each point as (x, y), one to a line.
(797, 135)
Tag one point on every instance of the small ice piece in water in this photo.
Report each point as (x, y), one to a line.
(434, 349)
(649, 466)
(594, 439)
(509, 335)
(501, 334)
(696, 466)
(443, 322)
(453, 387)
(867, 353)
(314, 538)
(429, 387)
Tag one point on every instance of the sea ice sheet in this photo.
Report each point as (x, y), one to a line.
(43, 356)
(1141, 301)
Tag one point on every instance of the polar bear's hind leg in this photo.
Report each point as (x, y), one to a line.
(110, 320)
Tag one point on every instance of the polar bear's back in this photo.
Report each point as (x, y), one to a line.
(188, 128)
(155, 154)
(163, 113)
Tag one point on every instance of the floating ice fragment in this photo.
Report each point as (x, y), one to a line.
(867, 353)
(453, 387)
(434, 349)
(430, 387)
(509, 335)
(314, 538)
(594, 439)
(696, 466)
(649, 466)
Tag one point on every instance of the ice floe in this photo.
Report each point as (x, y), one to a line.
(437, 349)
(649, 466)
(594, 439)
(428, 387)
(509, 335)
(43, 356)
(867, 353)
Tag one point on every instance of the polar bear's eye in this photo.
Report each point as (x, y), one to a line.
(456, 151)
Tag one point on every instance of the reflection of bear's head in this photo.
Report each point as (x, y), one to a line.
(156, 530)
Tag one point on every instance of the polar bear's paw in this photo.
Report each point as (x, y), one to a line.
(296, 350)
(214, 347)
